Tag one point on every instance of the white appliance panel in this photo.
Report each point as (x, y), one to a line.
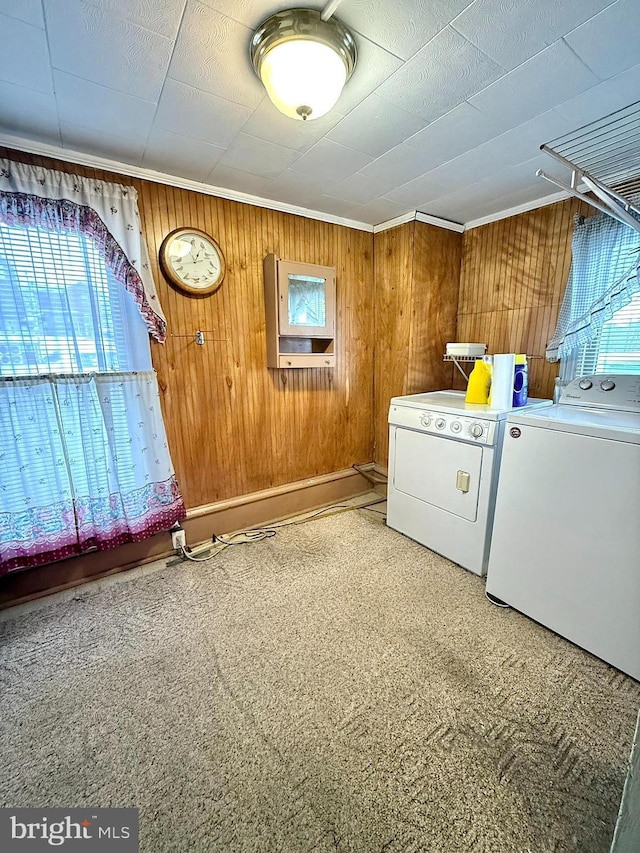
(600, 423)
(444, 456)
(606, 391)
(463, 541)
(453, 402)
(436, 479)
(566, 540)
(462, 428)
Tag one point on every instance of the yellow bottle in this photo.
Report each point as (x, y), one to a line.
(479, 383)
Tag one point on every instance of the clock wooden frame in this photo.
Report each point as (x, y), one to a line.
(172, 276)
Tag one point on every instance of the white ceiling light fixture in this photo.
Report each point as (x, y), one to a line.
(303, 58)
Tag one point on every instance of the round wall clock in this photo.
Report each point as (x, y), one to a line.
(192, 261)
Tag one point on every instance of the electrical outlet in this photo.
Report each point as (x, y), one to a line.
(178, 539)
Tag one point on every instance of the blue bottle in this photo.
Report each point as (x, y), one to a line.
(520, 381)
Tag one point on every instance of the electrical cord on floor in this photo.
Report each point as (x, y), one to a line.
(373, 503)
(185, 553)
(257, 534)
(374, 478)
(377, 511)
(250, 536)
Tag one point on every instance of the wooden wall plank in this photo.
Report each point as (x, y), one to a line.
(437, 258)
(513, 277)
(393, 270)
(417, 275)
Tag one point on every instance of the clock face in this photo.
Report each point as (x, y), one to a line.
(192, 261)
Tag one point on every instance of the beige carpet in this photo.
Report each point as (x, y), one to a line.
(336, 688)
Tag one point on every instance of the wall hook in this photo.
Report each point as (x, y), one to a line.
(199, 337)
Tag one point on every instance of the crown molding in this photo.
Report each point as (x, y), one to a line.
(441, 223)
(393, 223)
(28, 146)
(514, 211)
(416, 216)
(69, 155)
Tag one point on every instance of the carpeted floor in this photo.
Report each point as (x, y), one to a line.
(335, 688)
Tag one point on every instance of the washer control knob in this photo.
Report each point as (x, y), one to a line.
(585, 384)
(425, 420)
(456, 426)
(440, 423)
(476, 430)
(607, 384)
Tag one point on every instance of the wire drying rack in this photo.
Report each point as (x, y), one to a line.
(603, 158)
(459, 360)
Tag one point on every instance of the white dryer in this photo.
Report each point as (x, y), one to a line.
(566, 540)
(444, 457)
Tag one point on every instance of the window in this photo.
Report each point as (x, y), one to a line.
(598, 329)
(616, 348)
(61, 309)
(85, 462)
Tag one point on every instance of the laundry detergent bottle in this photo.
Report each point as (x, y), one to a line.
(520, 381)
(479, 383)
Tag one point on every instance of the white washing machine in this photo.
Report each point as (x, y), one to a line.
(444, 457)
(566, 541)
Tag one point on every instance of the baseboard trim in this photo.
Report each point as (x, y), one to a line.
(274, 504)
(251, 510)
(276, 491)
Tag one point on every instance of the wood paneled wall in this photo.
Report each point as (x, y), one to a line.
(514, 273)
(234, 426)
(417, 274)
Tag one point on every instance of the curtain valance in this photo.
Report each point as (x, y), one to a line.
(603, 278)
(106, 212)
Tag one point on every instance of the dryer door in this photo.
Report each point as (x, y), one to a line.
(434, 469)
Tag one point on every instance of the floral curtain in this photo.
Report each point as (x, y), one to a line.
(108, 213)
(84, 461)
(93, 463)
(603, 278)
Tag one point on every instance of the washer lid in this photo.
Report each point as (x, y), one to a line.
(601, 423)
(453, 403)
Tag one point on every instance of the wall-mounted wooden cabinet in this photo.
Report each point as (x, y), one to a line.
(300, 307)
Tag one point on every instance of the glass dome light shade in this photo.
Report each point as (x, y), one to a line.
(303, 78)
(303, 61)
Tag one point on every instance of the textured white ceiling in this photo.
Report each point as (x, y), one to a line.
(445, 113)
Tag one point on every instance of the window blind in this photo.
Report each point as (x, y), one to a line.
(616, 348)
(61, 310)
